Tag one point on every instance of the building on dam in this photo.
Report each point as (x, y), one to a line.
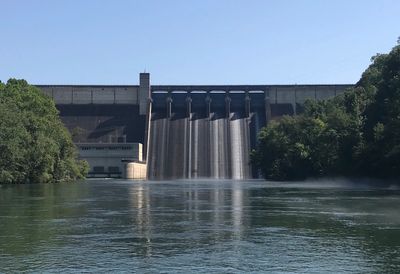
(175, 131)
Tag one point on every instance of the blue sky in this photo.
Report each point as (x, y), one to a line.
(194, 41)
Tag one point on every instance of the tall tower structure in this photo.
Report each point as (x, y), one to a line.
(144, 92)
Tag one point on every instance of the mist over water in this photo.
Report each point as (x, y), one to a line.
(340, 183)
(200, 226)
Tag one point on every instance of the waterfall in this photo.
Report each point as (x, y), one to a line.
(199, 144)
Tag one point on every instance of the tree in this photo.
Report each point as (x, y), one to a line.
(382, 127)
(354, 134)
(35, 146)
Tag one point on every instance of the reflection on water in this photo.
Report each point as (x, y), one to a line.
(199, 226)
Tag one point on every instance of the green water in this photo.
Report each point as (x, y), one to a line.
(199, 227)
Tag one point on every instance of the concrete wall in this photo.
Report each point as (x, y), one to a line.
(298, 94)
(104, 123)
(139, 95)
(101, 95)
(111, 158)
(135, 171)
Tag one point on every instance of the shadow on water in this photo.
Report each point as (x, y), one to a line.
(200, 226)
(28, 212)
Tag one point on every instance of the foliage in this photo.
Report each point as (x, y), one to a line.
(382, 126)
(35, 147)
(354, 134)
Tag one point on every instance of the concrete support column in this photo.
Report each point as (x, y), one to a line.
(189, 136)
(208, 106)
(247, 105)
(169, 106)
(228, 105)
(144, 101)
(228, 151)
(189, 107)
(147, 130)
(267, 106)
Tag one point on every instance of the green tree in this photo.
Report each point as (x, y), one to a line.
(35, 147)
(382, 126)
(354, 134)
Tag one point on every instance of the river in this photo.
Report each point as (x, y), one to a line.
(199, 227)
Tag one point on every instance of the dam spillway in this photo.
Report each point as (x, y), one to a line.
(203, 135)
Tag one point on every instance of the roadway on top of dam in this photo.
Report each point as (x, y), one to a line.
(197, 87)
(243, 88)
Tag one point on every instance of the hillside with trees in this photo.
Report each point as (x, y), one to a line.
(354, 134)
(35, 147)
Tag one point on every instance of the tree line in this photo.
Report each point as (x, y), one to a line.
(353, 134)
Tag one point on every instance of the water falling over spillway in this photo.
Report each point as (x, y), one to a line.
(201, 137)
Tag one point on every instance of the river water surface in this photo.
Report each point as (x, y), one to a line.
(199, 227)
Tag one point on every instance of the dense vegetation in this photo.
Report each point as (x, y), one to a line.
(35, 147)
(355, 134)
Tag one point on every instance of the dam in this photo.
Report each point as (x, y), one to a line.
(175, 131)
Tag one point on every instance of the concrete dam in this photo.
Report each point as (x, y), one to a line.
(175, 132)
